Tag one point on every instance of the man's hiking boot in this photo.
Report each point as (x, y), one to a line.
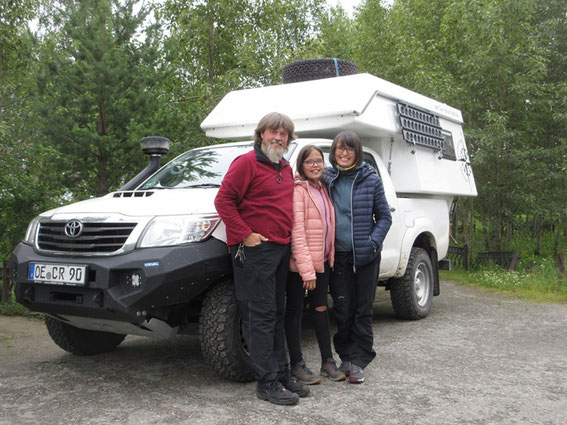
(274, 392)
(292, 385)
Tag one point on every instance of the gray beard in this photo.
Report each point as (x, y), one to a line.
(275, 155)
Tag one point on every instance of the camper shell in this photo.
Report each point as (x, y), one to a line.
(419, 138)
(136, 285)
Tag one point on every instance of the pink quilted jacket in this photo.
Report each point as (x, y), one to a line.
(307, 239)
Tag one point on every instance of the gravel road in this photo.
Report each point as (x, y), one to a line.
(479, 358)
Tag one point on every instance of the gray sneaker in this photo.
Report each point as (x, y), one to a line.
(345, 368)
(356, 374)
(330, 370)
(302, 373)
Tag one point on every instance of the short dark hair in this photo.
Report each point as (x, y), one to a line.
(350, 139)
(273, 121)
(302, 156)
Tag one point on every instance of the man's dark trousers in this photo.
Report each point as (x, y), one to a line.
(260, 280)
(353, 295)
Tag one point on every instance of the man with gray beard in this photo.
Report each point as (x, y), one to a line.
(255, 201)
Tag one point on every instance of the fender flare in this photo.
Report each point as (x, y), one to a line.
(421, 226)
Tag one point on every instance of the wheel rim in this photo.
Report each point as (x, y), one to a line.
(422, 284)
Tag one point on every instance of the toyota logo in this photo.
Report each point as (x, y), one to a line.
(74, 228)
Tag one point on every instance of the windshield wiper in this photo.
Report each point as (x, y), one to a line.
(202, 185)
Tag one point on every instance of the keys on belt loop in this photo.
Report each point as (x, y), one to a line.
(240, 253)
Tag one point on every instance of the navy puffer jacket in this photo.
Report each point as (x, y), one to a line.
(371, 218)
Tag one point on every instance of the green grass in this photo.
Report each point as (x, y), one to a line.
(15, 309)
(543, 284)
(5, 341)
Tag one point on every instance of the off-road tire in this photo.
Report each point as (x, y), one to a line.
(81, 341)
(316, 69)
(412, 294)
(220, 330)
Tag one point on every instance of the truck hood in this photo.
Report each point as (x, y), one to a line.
(146, 203)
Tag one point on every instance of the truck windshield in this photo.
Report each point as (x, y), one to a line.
(196, 168)
(199, 167)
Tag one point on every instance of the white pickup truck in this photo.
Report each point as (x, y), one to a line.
(151, 257)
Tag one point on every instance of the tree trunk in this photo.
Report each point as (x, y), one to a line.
(1, 80)
(472, 231)
(101, 127)
(469, 229)
(497, 245)
(102, 166)
(464, 222)
(211, 42)
(102, 175)
(559, 239)
(485, 234)
(539, 233)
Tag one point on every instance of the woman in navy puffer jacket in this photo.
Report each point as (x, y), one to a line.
(362, 218)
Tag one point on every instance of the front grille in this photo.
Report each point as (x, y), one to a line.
(95, 238)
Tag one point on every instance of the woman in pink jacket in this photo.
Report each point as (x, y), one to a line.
(312, 256)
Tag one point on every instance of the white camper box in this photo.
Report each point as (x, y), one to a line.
(374, 109)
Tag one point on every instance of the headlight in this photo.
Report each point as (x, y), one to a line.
(32, 231)
(177, 230)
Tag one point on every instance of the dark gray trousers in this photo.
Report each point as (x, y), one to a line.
(260, 280)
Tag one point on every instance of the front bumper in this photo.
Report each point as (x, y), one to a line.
(170, 276)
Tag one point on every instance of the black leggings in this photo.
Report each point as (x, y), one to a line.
(294, 307)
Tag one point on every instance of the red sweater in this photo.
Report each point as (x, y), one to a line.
(251, 200)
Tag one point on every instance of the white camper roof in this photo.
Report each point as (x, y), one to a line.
(321, 108)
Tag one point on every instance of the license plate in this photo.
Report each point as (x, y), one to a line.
(63, 274)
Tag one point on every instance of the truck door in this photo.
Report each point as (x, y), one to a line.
(393, 242)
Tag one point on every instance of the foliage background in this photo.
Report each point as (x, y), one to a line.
(94, 76)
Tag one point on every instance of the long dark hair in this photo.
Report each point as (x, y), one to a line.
(350, 139)
(302, 156)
